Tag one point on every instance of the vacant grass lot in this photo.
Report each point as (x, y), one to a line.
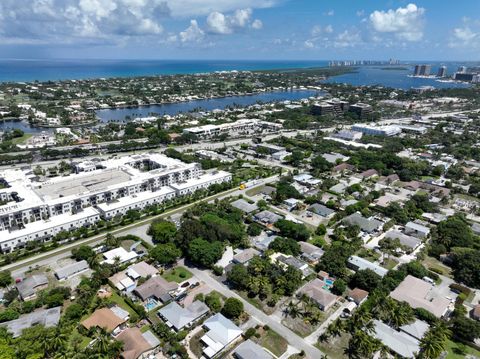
(272, 341)
(460, 351)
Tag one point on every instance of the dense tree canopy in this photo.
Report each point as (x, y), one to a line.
(205, 253)
(162, 231)
(165, 253)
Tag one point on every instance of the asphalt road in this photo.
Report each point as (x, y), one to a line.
(20, 267)
(272, 321)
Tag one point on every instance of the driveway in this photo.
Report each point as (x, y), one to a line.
(313, 338)
(293, 339)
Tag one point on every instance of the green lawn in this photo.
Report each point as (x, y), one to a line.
(273, 341)
(389, 263)
(20, 140)
(459, 351)
(178, 274)
(121, 303)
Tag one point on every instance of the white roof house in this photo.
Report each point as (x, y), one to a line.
(221, 332)
(358, 263)
(399, 342)
(119, 253)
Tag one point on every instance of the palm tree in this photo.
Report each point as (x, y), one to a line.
(435, 341)
(293, 309)
(102, 341)
(362, 345)
(58, 341)
(362, 320)
(335, 328)
(401, 314)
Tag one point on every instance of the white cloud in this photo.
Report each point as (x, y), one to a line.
(116, 21)
(360, 13)
(193, 33)
(218, 23)
(347, 38)
(186, 8)
(257, 24)
(330, 13)
(328, 29)
(467, 35)
(309, 44)
(405, 23)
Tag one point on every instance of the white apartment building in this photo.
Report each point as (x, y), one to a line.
(139, 201)
(237, 128)
(45, 229)
(110, 188)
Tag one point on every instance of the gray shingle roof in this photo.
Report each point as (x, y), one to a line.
(180, 317)
(321, 210)
(251, 350)
(365, 224)
(27, 287)
(71, 269)
(46, 317)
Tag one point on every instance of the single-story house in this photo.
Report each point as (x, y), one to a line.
(398, 342)
(367, 225)
(310, 252)
(321, 210)
(357, 295)
(244, 256)
(408, 241)
(28, 288)
(119, 254)
(267, 218)
(45, 317)
(244, 206)
(290, 261)
(105, 318)
(221, 332)
(291, 203)
(368, 174)
(178, 317)
(251, 350)
(343, 167)
(136, 343)
(314, 290)
(141, 270)
(122, 281)
(71, 269)
(421, 294)
(357, 263)
(417, 230)
(156, 287)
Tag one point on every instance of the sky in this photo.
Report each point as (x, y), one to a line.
(241, 29)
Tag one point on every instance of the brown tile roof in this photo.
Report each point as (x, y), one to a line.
(103, 318)
(134, 344)
(358, 295)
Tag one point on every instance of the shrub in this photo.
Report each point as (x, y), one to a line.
(249, 333)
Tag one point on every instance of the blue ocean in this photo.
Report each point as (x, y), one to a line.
(46, 70)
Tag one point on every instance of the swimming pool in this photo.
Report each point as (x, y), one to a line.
(151, 303)
(329, 282)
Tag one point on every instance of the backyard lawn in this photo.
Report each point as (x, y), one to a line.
(272, 341)
(121, 302)
(460, 351)
(178, 274)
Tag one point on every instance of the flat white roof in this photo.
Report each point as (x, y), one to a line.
(201, 180)
(119, 252)
(136, 198)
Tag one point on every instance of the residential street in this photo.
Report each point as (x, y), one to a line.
(273, 322)
(20, 267)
